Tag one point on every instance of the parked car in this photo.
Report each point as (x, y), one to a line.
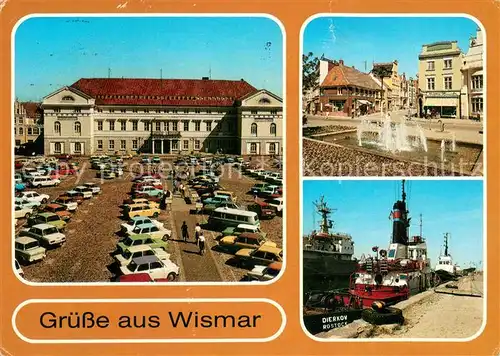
(66, 171)
(262, 209)
(263, 256)
(22, 212)
(136, 240)
(152, 230)
(69, 203)
(218, 200)
(136, 221)
(277, 204)
(131, 211)
(155, 267)
(63, 157)
(209, 208)
(140, 201)
(156, 160)
(257, 188)
(245, 240)
(47, 218)
(263, 273)
(60, 210)
(128, 255)
(47, 235)
(150, 191)
(271, 191)
(145, 160)
(94, 188)
(34, 196)
(28, 250)
(23, 203)
(85, 191)
(19, 187)
(74, 195)
(241, 228)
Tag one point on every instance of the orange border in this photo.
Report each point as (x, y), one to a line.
(293, 340)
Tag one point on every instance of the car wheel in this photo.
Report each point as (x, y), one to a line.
(171, 276)
(155, 215)
(44, 201)
(27, 215)
(166, 237)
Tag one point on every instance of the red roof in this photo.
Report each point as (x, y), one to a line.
(164, 92)
(341, 75)
(32, 109)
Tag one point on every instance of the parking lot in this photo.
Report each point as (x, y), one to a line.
(92, 232)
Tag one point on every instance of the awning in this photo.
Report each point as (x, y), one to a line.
(364, 102)
(441, 102)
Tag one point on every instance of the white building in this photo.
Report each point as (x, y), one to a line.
(473, 78)
(162, 116)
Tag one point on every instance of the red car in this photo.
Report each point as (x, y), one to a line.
(18, 164)
(139, 277)
(66, 171)
(55, 175)
(64, 157)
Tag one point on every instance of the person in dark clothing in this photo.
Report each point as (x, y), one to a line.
(185, 233)
(163, 202)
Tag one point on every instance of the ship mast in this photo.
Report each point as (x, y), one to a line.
(325, 212)
(400, 221)
(446, 235)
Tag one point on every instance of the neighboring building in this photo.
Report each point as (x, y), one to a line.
(162, 116)
(386, 94)
(473, 79)
(347, 91)
(440, 79)
(404, 92)
(412, 92)
(394, 83)
(28, 122)
(311, 102)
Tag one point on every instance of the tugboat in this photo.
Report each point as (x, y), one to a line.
(327, 255)
(389, 277)
(445, 269)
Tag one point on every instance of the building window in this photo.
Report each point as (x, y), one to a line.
(197, 144)
(99, 145)
(447, 64)
(111, 110)
(253, 129)
(146, 126)
(123, 144)
(99, 125)
(253, 112)
(186, 125)
(185, 144)
(158, 126)
(18, 142)
(15, 131)
(123, 111)
(30, 131)
(175, 111)
(209, 125)
(78, 128)
(175, 145)
(57, 110)
(57, 147)
(477, 104)
(431, 84)
(272, 148)
(197, 111)
(167, 126)
(68, 98)
(197, 125)
(209, 111)
(78, 147)
(99, 110)
(272, 130)
(57, 128)
(146, 111)
(21, 131)
(253, 148)
(111, 144)
(134, 110)
(112, 125)
(134, 125)
(134, 144)
(430, 65)
(20, 120)
(274, 112)
(477, 82)
(123, 124)
(186, 111)
(78, 110)
(174, 126)
(447, 83)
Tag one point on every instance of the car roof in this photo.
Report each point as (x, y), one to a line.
(25, 239)
(247, 226)
(53, 205)
(148, 224)
(140, 236)
(139, 248)
(267, 248)
(250, 234)
(135, 218)
(145, 259)
(46, 214)
(29, 191)
(43, 226)
(135, 277)
(275, 265)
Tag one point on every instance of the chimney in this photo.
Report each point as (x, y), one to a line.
(204, 78)
(341, 62)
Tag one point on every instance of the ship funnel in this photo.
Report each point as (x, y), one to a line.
(400, 221)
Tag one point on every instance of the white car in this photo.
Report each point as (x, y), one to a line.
(136, 221)
(46, 234)
(276, 203)
(43, 181)
(93, 187)
(152, 230)
(264, 273)
(152, 265)
(22, 212)
(87, 193)
(123, 259)
(34, 196)
(28, 250)
(70, 205)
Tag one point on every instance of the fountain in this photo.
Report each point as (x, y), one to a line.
(423, 139)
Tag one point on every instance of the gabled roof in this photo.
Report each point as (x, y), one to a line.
(341, 75)
(178, 92)
(32, 108)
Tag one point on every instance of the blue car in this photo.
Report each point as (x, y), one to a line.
(20, 187)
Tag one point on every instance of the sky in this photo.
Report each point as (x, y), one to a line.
(383, 39)
(363, 208)
(53, 52)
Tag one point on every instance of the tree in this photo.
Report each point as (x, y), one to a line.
(310, 72)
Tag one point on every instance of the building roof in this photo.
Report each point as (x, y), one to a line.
(175, 92)
(32, 108)
(341, 75)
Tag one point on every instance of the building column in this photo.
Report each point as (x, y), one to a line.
(161, 146)
(153, 146)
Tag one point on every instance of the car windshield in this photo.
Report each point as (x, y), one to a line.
(127, 255)
(51, 230)
(136, 230)
(132, 266)
(128, 241)
(30, 245)
(53, 218)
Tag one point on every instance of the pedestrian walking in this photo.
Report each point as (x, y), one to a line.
(181, 189)
(197, 231)
(185, 233)
(201, 243)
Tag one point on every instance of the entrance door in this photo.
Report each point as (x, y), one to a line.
(166, 146)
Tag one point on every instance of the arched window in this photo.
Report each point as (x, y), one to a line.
(57, 127)
(20, 131)
(253, 148)
(253, 129)
(272, 129)
(78, 127)
(264, 101)
(272, 148)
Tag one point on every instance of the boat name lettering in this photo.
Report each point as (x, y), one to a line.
(334, 318)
